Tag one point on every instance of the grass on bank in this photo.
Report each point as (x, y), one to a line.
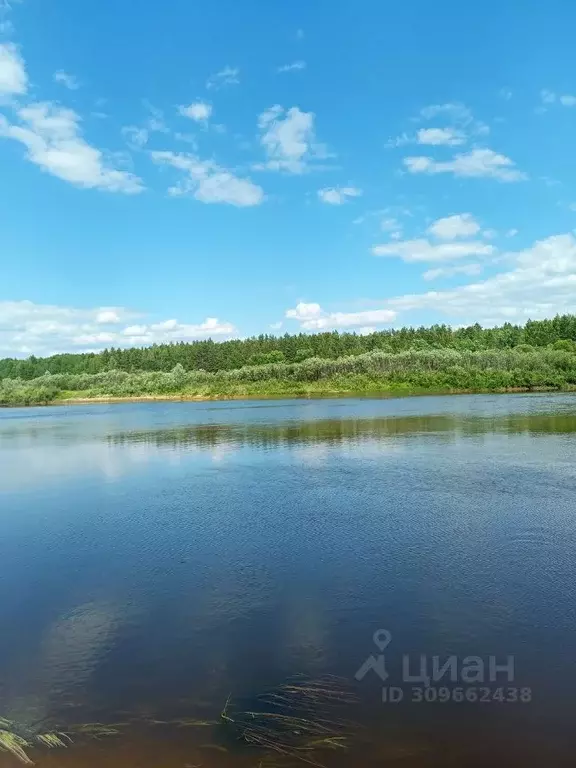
(414, 371)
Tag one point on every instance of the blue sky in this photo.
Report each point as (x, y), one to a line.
(196, 169)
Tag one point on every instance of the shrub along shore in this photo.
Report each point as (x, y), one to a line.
(416, 371)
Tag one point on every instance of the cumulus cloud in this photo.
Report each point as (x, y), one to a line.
(288, 138)
(447, 137)
(67, 80)
(54, 142)
(422, 250)
(172, 330)
(313, 318)
(208, 182)
(199, 111)
(477, 163)
(338, 195)
(296, 66)
(454, 227)
(41, 329)
(227, 76)
(13, 77)
(463, 269)
(541, 283)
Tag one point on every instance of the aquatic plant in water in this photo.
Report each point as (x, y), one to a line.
(13, 740)
(294, 721)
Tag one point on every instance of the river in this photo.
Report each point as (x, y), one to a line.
(163, 562)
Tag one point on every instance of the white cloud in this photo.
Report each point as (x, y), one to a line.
(453, 227)
(447, 137)
(475, 164)
(565, 99)
(137, 137)
(391, 225)
(455, 110)
(227, 76)
(541, 283)
(313, 318)
(28, 328)
(108, 315)
(276, 326)
(400, 141)
(511, 233)
(52, 136)
(68, 81)
(304, 311)
(172, 330)
(463, 269)
(423, 250)
(338, 195)
(288, 138)
(13, 77)
(296, 66)
(155, 122)
(208, 182)
(457, 113)
(199, 111)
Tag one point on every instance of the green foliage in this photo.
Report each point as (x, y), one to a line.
(442, 369)
(303, 354)
(567, 345)
(263, 358)
(266, 349)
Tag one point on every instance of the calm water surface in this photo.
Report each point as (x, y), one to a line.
(156, 559)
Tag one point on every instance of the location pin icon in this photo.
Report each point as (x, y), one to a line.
(382, 639)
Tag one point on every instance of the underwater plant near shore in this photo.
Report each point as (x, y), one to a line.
(12, 740)
(297, 720)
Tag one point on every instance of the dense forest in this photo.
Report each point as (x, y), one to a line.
(213, 356)
(435, 370)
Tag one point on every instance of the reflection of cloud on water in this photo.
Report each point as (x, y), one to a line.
(306, 634)
(23, 468)
(73, 646)
(317, 454)
(69, 653)
(221, 452)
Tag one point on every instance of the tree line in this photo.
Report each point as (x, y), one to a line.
(435, 370)
(212, 356)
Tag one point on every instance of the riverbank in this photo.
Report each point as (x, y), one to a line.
(306, 395)
(373, 374)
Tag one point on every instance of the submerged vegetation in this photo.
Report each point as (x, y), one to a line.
(298, 721)
(430, 370)
(13, 741)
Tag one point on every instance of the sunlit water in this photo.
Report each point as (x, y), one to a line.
(157, 558)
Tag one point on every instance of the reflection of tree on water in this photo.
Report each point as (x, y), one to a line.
(341, 431)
